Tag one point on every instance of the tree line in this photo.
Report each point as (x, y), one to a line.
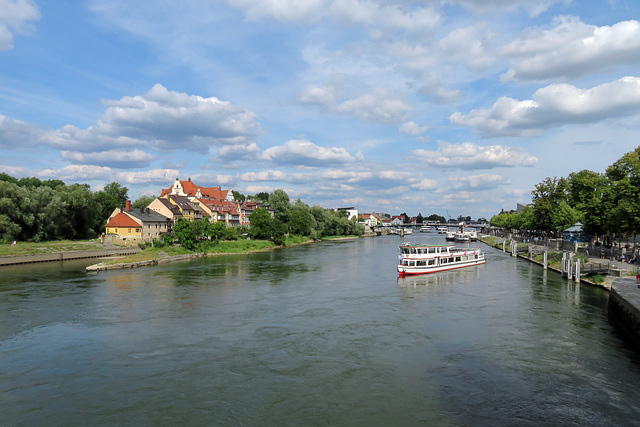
(35, 210)
(39, 210)
(288, 218)
(607, 204)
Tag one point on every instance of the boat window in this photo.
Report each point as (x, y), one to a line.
(458, 259)
(432, 262)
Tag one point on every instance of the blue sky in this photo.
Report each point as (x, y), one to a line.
(454, 107)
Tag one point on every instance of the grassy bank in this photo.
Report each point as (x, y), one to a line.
(208, 248)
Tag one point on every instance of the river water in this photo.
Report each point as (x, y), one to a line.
(321, 334)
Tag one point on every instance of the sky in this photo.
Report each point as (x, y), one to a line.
(452, 107)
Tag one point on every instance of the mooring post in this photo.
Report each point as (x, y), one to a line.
(504, 245)
(530, 252)
(563, 266)
(544, 261)
(578, 270)
(570, 272)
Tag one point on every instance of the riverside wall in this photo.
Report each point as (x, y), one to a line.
(624, 307)
(65, 256)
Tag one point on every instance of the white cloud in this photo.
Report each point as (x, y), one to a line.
(554, 105)
(425, 184)
(350, 12)
(111, 158)
(471, 156)
(478, 182)
(15, 16)
(264, 176)
(162, 119)
(318, 95)
(305, 153)
(238, 152)
(15, 133)
(151, 176)
(77, 173)
(412, 129)
(378, 107)
(532, 7)
(468, 45)
(572, 49)
(173, 120)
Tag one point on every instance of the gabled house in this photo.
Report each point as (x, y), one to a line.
(130, 226)
(193, 191)
(221, 210)
(368, 219)
(175, 207)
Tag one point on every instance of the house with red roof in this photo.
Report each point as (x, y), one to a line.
(193, 191)
(130, 226)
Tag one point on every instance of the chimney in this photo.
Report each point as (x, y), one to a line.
(189, 179)
(127, 205)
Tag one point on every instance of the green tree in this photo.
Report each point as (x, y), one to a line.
(262, 196)
(301, 221)
(238, 196)
(279, 201)
(278, 232)
(547, 196)
(260, 224)
(216, 230)
(624, 177)
(185, 232)
(143, 201)
(419, 218)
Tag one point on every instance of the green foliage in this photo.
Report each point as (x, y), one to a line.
(184, 231)
(301, 222)
(238, 197)
(143, 201)
(260, 221)
(279, 201)
(278, 232)
(439, 218)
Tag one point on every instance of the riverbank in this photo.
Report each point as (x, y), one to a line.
(161, 257)
(535, 253)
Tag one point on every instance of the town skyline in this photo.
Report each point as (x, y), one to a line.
(456, 107)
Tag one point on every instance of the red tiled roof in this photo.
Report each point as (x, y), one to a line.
(190, 189)
(122, 220)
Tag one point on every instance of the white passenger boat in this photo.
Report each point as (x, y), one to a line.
(423, 259)
(450, 236)
(461, 236)
(425, 229)
(442, 230)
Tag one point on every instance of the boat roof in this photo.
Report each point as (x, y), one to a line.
(420, 245)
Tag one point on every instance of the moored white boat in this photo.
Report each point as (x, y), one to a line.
(442, 229)
(423, 259)
(425, 229)
(450, 236)
(461, 236)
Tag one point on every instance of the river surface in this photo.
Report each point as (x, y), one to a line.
(320, 334)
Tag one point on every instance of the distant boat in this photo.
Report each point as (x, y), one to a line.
(461, 236)
(450, 236)
(442, 230)
(426, 229)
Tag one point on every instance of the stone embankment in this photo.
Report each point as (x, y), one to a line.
(624, 306)
(66, 256)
